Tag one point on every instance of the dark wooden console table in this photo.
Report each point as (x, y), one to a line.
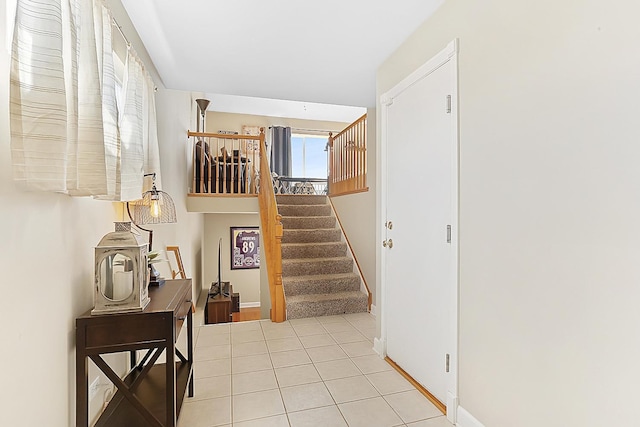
(151, 394)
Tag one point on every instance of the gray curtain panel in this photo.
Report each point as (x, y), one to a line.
(281, 150)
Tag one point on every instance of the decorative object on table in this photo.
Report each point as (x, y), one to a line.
(120, 280)
(180, 271)
(155, 207)
(255, 144)
(245, 248)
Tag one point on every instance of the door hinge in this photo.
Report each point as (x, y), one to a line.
(448, 234)
(448, 104)
(447, 363)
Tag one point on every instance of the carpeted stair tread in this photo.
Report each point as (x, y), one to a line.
(299, 199)
(314, 305)
(321, 283)
(311, 235)
(313, 250)
(309, 266)
(307, 222)
(304, 210)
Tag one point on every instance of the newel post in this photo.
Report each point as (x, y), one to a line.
(331, 168)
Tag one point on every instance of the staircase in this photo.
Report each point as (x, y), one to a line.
(317, 272)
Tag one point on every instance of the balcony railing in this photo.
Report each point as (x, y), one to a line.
(348, 159)
(225, 164)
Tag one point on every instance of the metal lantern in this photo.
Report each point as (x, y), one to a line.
(121, 272)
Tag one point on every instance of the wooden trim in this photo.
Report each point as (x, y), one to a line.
(346, 193)
(223, 135)
(234, 195)
(364, 280)
(441, 406)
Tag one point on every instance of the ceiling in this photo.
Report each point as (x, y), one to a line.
(324, 52)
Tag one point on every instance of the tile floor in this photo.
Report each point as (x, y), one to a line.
(300, 373)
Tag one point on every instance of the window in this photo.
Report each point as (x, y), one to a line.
(308, 156)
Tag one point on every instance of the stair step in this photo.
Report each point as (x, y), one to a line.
(306, 222)
(304, 210)
(299, 199)
(311, 235)
(311, 266)
(301, 306)
(314, 250)
(321, 283)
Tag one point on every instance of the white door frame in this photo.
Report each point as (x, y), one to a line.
(450, 53)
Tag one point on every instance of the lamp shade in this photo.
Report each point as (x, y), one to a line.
(155, 207)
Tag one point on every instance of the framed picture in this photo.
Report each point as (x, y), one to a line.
(253, 131)
(245, 248)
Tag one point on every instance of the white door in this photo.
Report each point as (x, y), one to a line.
(420, 183)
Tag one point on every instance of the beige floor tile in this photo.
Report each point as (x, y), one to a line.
(257, 405)
(328, 416)
(304, 321)
(332, 319)
(388, 382)
(246, 336)
(321, 340)
(305, 329)
(371, 364)
(412, 406)
(358, 348)
(282, 359)
(277, 421)
(360, 317)
(211, 387)
(335, 369)
(284, 344)
(249, 349)
(245, 326)
(217, 329)
(256, 362)
(369, 413)
(273, 333)
(339, 327)
(323, 354)
(206, 413)
(296, 375)
(253, 381)
(268, 325)
(306, 396)
(211, 368)
(209, 340)
(432, 422)
(369, 333)
(348, 336)
(212, 353)
(350, 389)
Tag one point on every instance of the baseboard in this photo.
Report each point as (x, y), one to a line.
(249, 304)
(452, 408)
(378, 347)
(465, 419)
(374, 310)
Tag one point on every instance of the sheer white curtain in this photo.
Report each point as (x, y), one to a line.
(67, 133)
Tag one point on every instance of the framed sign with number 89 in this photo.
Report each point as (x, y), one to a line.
(245, 248)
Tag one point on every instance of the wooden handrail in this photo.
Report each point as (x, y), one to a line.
(271, 236)
(348, 159)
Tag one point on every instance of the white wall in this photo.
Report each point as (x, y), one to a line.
(47, 263)
(245, 282)
(549, 206)
(357, 213)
